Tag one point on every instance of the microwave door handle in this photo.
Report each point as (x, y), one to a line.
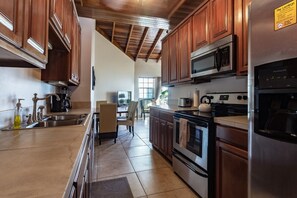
(218, 59)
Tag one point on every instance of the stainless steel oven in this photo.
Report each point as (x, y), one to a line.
(191, 160)
(194, 159)
(197, 144)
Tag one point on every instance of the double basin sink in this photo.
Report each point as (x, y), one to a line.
(56, 121)
(60, 120)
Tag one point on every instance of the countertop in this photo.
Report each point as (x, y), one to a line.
(240, 122)
(39, 162)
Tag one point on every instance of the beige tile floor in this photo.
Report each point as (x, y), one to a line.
(148, 173)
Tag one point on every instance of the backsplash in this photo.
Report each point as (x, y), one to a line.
(20, 83)
(230, 84)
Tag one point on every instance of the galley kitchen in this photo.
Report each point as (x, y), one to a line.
(147, 98)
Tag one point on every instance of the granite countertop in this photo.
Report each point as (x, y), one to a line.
(39, 162)
(240, 122)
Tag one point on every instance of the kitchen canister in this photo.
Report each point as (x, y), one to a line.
(196, 98)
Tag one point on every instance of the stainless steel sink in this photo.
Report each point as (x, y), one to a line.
(54, 123)
(63, 117)
(55, 120)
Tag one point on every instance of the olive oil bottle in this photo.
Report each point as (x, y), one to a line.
(18, 115)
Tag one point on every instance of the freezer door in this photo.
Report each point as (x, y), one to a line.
(273, 168)
(267, 44)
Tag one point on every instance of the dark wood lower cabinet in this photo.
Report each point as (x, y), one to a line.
(231, 163)
(161, 131)
(82, 179)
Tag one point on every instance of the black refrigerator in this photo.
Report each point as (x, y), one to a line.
(272, 88)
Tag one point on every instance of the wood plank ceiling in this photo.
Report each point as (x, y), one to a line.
(136, 26)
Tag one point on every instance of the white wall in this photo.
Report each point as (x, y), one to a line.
(20, 83)
(114, 70)
(145, 69)
(82, 92)
(230, 84)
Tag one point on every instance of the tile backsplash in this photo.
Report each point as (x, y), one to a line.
(20, 83)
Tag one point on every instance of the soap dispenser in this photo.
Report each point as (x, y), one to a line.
(18, 115)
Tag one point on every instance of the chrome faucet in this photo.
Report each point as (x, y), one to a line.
(35, 99)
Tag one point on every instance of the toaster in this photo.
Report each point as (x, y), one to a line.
(184, 102)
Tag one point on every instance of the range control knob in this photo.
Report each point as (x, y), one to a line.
(239, 97)
(245, 97)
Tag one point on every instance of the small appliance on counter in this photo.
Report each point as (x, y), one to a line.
(63, 105)
(184, 102)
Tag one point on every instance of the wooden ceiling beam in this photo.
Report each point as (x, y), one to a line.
(112, 32)
(158, 36)
(129, 38)
(142, 41)
(117, 17)
(178, 5)
(103, 33)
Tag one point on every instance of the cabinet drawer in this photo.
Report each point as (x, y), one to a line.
(154, 112)
(166, 116)
(232, 135)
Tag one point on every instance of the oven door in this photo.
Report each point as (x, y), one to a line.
(196, 148)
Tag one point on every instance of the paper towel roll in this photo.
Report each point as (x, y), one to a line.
(196, 98)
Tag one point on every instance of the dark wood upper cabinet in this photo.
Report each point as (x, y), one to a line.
(67, 20)
(57, 10)
(200, 27)
(11, 21)
(241, 30)
(36, 19)
(173, 57)
(165, 62)
(75, 52)
(221, 19)
(185, 48)
(61, 20)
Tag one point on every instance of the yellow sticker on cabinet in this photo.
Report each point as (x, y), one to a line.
(285, 15)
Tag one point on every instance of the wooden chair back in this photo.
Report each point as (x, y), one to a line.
(108, 118)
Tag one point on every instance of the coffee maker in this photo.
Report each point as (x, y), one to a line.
(63, 105)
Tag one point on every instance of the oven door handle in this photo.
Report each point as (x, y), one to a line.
(188, 165)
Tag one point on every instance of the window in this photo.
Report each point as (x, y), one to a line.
(146, 87)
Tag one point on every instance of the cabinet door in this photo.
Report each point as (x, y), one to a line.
(75, 52)
(162, 136)
(36, 28)
(151, 129)
(165, 62)
(185, 42)
(68, 15)
(155, 131)
(56, 14)
(232, 171)
(169, 140)
(221, 19)
(173, 56)
(241, 30)
(11, 21)
(200, 27)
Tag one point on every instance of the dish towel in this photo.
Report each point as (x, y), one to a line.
(183, 132)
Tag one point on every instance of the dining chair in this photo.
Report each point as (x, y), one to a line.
(108, 122)
(130, 117)
(145, 106)
(99, 102)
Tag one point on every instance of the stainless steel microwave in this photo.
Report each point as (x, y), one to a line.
(216, 58)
